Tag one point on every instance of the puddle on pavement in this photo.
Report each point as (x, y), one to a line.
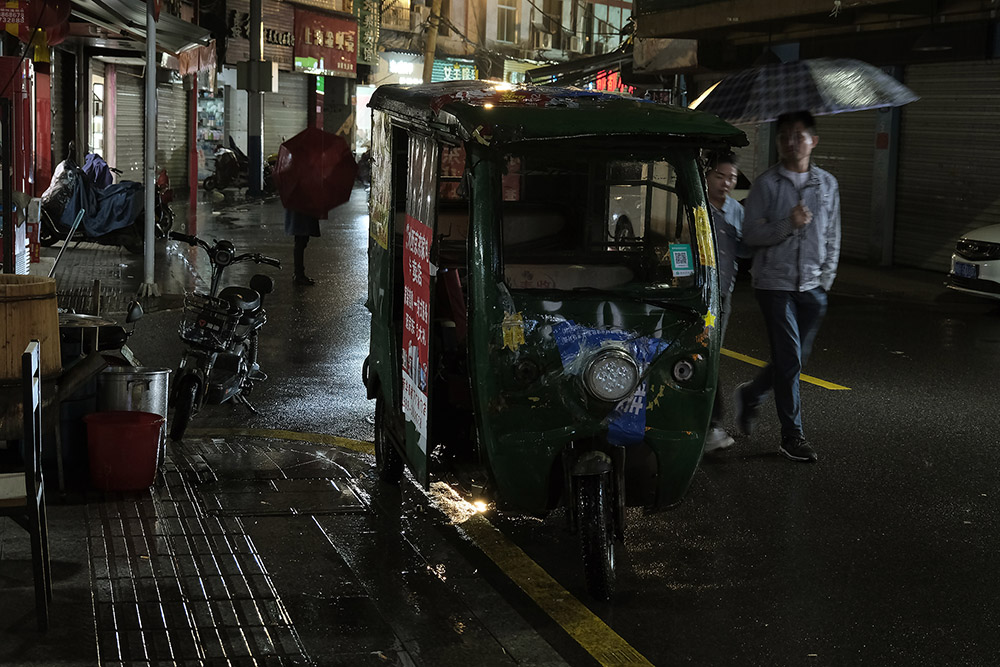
(279, 497)
(260, 479)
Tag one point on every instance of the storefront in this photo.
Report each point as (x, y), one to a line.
(211, 129)
(454, 69)
(946, 144)
(285, 111)
(172, 128)
(107, 88)
(394, 67)
(327, 47)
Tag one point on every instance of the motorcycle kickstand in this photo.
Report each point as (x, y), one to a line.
(243, 399)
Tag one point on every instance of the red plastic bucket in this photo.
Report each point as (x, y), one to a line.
(122, 447)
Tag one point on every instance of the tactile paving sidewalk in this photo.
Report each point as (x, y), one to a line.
(176, 585)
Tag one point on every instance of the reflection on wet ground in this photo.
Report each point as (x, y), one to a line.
(256, 549)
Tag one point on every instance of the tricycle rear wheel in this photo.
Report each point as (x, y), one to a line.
(597, 533)
(388, 463)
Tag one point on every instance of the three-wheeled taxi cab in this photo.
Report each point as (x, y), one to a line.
(543, 291)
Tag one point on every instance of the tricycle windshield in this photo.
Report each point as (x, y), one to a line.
(597, 220)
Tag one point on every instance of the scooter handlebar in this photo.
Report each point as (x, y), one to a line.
(264, 259)
(187, 238)
(257, 258)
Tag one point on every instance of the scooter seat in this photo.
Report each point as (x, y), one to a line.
(242, 298)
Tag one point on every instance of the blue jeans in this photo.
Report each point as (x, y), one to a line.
(792, 320)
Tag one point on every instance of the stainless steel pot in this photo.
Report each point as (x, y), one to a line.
(127, 388)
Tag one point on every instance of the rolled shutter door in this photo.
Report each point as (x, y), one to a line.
(949, 139)
(172, 131)
(846, 149)
(129, 133)
(285, 112)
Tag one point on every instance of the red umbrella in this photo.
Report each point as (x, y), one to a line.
(315, 172)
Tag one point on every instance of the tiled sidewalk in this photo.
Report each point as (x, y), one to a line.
(172, 584)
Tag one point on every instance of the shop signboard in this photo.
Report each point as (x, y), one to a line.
(454, 69)
(325, 44)
(368, 14)
(278, 38)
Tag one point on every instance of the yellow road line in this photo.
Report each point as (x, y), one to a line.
(603, 643)
(278, 434)
(805, 378)
(589, 631)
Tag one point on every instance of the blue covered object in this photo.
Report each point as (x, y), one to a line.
(108, 209)
(98, 170)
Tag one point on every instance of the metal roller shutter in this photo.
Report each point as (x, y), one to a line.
(846, 149)
(948, 140)
(754, 158)
(129, 136)
(286, 111)
(172, 131)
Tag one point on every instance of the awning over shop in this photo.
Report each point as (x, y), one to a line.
(173, 35)
(583, 70)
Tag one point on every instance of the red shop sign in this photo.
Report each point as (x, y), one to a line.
(331, 42)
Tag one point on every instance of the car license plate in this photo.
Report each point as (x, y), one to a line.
(963, 270)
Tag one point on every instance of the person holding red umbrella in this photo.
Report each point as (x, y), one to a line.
(301, 226)
(314, 173)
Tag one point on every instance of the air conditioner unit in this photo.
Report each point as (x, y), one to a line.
(543, 40)
(575, 44)
(418, 17)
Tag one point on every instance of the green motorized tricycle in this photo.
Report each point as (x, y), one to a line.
(543, 291)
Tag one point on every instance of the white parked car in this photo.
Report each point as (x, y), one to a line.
(975, 264)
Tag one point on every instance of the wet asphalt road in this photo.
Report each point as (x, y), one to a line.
(883, 553)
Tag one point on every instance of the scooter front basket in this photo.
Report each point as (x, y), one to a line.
(209, 322)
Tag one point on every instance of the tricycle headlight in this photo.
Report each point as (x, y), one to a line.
(611, 375)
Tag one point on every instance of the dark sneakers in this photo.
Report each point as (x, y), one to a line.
(797, 448)
(794, 447)
(746, 414)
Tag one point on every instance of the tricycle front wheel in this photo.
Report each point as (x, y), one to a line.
(388, 463)
(597, 533)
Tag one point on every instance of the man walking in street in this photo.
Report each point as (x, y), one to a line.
(727, 216)
(792, 223)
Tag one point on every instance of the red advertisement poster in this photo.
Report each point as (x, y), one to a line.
(326, 44)
(416, 322)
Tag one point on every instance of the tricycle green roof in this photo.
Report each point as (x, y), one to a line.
(495, 112)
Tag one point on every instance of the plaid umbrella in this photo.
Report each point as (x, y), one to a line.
(821, 86)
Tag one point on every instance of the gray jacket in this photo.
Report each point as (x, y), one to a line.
(785, 258)
(729, 241)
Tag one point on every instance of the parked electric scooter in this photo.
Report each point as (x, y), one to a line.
(231, 165)
(101, 174)
(115, 212)
(220, 329)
